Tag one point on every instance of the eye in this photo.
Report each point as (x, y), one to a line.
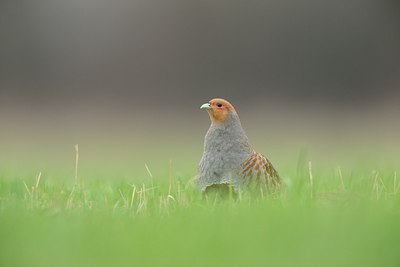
(219, 105)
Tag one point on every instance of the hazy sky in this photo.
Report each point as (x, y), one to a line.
(170, 51)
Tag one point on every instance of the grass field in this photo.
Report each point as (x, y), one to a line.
(322, 217)
(112, 211)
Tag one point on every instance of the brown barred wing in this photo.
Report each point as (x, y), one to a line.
(259, 169)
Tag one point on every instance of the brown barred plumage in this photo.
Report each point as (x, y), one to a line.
(259, 169)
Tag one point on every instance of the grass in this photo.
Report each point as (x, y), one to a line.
(324, 216)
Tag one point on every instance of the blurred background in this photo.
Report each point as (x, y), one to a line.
(125, 80)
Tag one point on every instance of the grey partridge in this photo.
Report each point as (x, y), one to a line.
(228, 158)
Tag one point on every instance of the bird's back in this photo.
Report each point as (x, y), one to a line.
(257, 169)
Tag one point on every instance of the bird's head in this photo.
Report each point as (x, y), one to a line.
(218, 109)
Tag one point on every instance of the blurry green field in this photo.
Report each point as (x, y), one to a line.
(118, 215)
(337, 218)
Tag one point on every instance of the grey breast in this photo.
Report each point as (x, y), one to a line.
(226, 147)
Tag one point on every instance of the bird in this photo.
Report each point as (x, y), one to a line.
(228, 159)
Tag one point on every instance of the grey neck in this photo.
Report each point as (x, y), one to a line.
(227, 136)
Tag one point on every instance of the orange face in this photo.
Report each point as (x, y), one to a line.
(218, 110)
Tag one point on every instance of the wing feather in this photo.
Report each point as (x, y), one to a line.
(257, 168)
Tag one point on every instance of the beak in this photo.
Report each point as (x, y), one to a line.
(205, 106)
